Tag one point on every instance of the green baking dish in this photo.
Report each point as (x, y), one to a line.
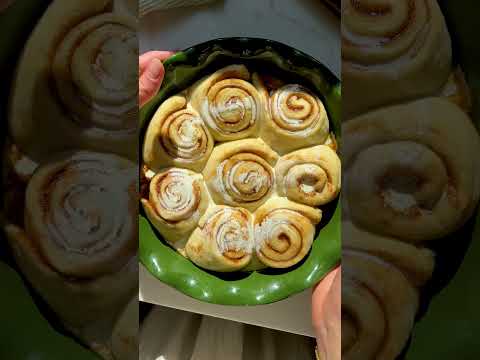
(258, 287)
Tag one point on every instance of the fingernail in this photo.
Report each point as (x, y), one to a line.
(155, 69)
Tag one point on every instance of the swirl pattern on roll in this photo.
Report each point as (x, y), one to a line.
(177, 136)
(296, 118)
(231, 106)
(223, 240)
(81, 220)
(411, 166)
(177, 200)
(310, 176)
(240, 173)
(94, 73)
(378, 307)
(284, 232)
(77, 77)
(397, 49)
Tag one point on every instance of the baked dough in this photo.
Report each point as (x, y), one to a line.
(79, 242)
(310, 176)
(295, 118)
(230, 105)
(415, 262)
(392, 51)
(176, 136)
(76, 85)
(223, 240)
(240, 173)
(412, 167)
(284, 232)
(177, 200)
(378, 308)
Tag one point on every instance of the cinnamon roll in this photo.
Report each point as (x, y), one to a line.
(177, 136)
(223, 240)
(77, 246)
(230, 105)
(177, 200)
(416, 263)
(284, 232)
(77, 77)
(392, 51)
(240, 173)
(378, 307)
(309, 176)
(296, 118)
(412, 166)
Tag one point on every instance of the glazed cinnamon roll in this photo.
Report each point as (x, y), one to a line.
(284, 232)
(177, 200)
(230, 105)
(78, 77)
(412, 167)
(392, 51)
(240, 173)
(177, 136)
(77, 246)
(223, 240)
(378, 307)
(296, 118)
(309, 176)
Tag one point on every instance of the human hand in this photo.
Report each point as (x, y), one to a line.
(326, 315)
(151, 74)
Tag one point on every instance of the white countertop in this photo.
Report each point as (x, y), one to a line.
(304, 24)
(292, 315)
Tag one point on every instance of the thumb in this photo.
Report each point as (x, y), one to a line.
(150, 80)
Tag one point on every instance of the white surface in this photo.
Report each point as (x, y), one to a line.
(292, 315)
(304, 24)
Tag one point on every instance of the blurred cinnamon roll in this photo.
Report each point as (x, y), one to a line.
(177, 200)
(230, 105)
(78, 244)
(223, 240)
(177, 136)
(310, 176)
(412, 167)
(284, 232)
(392, 51)
(416, 263)
(295, 118)
(240, 173)
(378, 307)
(77, 77)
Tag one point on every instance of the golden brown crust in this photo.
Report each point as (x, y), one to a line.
(178, 198)
(284, 232)
(240, 173)
(223, 240)
(177, 136)
(229, 103)
(295, 118)
(310, 176)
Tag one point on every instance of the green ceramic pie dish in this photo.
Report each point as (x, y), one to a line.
(258, 287)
